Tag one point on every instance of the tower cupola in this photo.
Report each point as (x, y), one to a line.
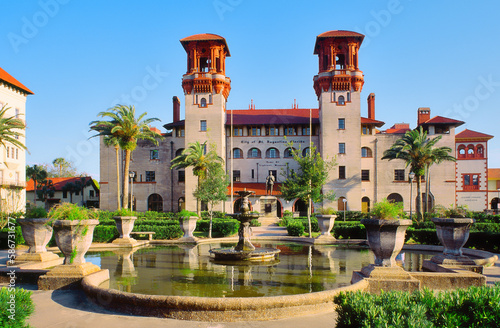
(206, 65)
(338, 61)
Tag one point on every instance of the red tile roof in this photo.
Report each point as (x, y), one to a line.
(272, 116)
(58, 182)
(371, 121)
(4, 76)
(493, 174)
(337, 34)
(258, 188)
(442, 120)
(204, 37)
(472, 135)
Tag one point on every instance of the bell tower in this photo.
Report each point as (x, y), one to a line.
(338, 86)
(206, 88)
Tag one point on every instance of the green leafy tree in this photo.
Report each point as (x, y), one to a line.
(45, 191)
(71, 188)
(37, 174)
(307, 183)
(10, 129)
(197, 157)
(213, 188)
(81, 184)
(418, 153)
(60, 163)
(126, 129)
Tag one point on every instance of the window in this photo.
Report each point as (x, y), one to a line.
(290, 131)
(150, 176)
(341, 123)
(203, 125)
(399, 175)
(179, 151)
(203, 102)
(181, 176)
(341, 172)
(341, 100)
(341, 148)
(366, 152)
(365, 175)
(471, 181)
(17, 153)
(8, 151)
(461, 151)
(479, 152)
(65, 194)
(237, 153)
(254, 153)
(236, 176)
(253, 174)
(470, 151)
(180, 133)
(274, 173)
(288, 153)
(306, 131)
(153, 154)
(254, 131)
(272, 131)
(305, 152)
(17, 112)
(237, 132)
(91, 193)
(77, 192)
(272, 153)
(365, 130)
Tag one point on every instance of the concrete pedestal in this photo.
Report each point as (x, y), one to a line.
(66, 276)
(386, 278)
(125, 242)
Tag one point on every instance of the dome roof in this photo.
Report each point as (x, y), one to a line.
(337, 34)
(205, 37)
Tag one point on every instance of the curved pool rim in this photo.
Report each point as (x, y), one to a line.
(220, 309)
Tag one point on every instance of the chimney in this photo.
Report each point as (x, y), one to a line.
(371, 106)
(177, 109)
(424, 114)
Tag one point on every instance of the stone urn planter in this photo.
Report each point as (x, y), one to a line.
(124, 225)
(188, 225)
(453, 233)
(325, 223)
(74, 238)
(386, 239)
(37, 233)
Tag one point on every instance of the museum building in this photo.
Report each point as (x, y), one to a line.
(256, 142)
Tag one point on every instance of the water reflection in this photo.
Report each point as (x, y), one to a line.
(188, 270)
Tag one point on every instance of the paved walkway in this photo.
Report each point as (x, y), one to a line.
(71, 309)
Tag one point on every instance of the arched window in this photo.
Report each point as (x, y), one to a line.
(155, 203)
(178, 152)
(181, 204)
(203, 102)
(341, 100)
(461, 151)
(288, 153)
(480, 151)
(395, 197)
(272, 153)
(254, 153)
(366, 152)
(305, 152)
(237, 153)
(470, 151)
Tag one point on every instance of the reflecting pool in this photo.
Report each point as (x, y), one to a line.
(189, 270)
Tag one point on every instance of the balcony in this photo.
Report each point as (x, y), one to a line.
(5, 183)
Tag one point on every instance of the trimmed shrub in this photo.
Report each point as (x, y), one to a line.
(472, 307)
(220, 227)
(161, 232)
(255, 223)
(295, 228)
(348, 230)
(422, 236)
(17, 315)
(105, 234)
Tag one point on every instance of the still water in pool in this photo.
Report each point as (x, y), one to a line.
(188, 270)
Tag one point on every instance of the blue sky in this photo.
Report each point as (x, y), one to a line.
(82, 57)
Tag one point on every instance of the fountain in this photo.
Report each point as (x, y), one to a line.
(244, 250)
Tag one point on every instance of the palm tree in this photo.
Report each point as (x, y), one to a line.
(37, 174)
(126, 129)
(60, 163)
(419, 153)
(81, 184)
(9, 126)
(71, 187)
(197, 157)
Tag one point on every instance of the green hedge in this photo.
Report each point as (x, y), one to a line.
(349, 231)
(105, 234)
(295, 228)
(220, 227)
(472, 307)
(16, 313)
(161, 232)
(422, 236)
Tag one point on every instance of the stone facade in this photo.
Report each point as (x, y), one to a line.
(253, 142)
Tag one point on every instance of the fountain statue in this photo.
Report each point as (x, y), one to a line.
(244, 250)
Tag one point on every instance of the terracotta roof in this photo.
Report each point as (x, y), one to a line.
(258, 188)
(272, 116)
(472, 135)
(396, 131)
(172, 125)
(4, 76)
(204, 37)
(493, 174)
(58, 182)
(337, 34)
(365, 120)
(442, 120)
